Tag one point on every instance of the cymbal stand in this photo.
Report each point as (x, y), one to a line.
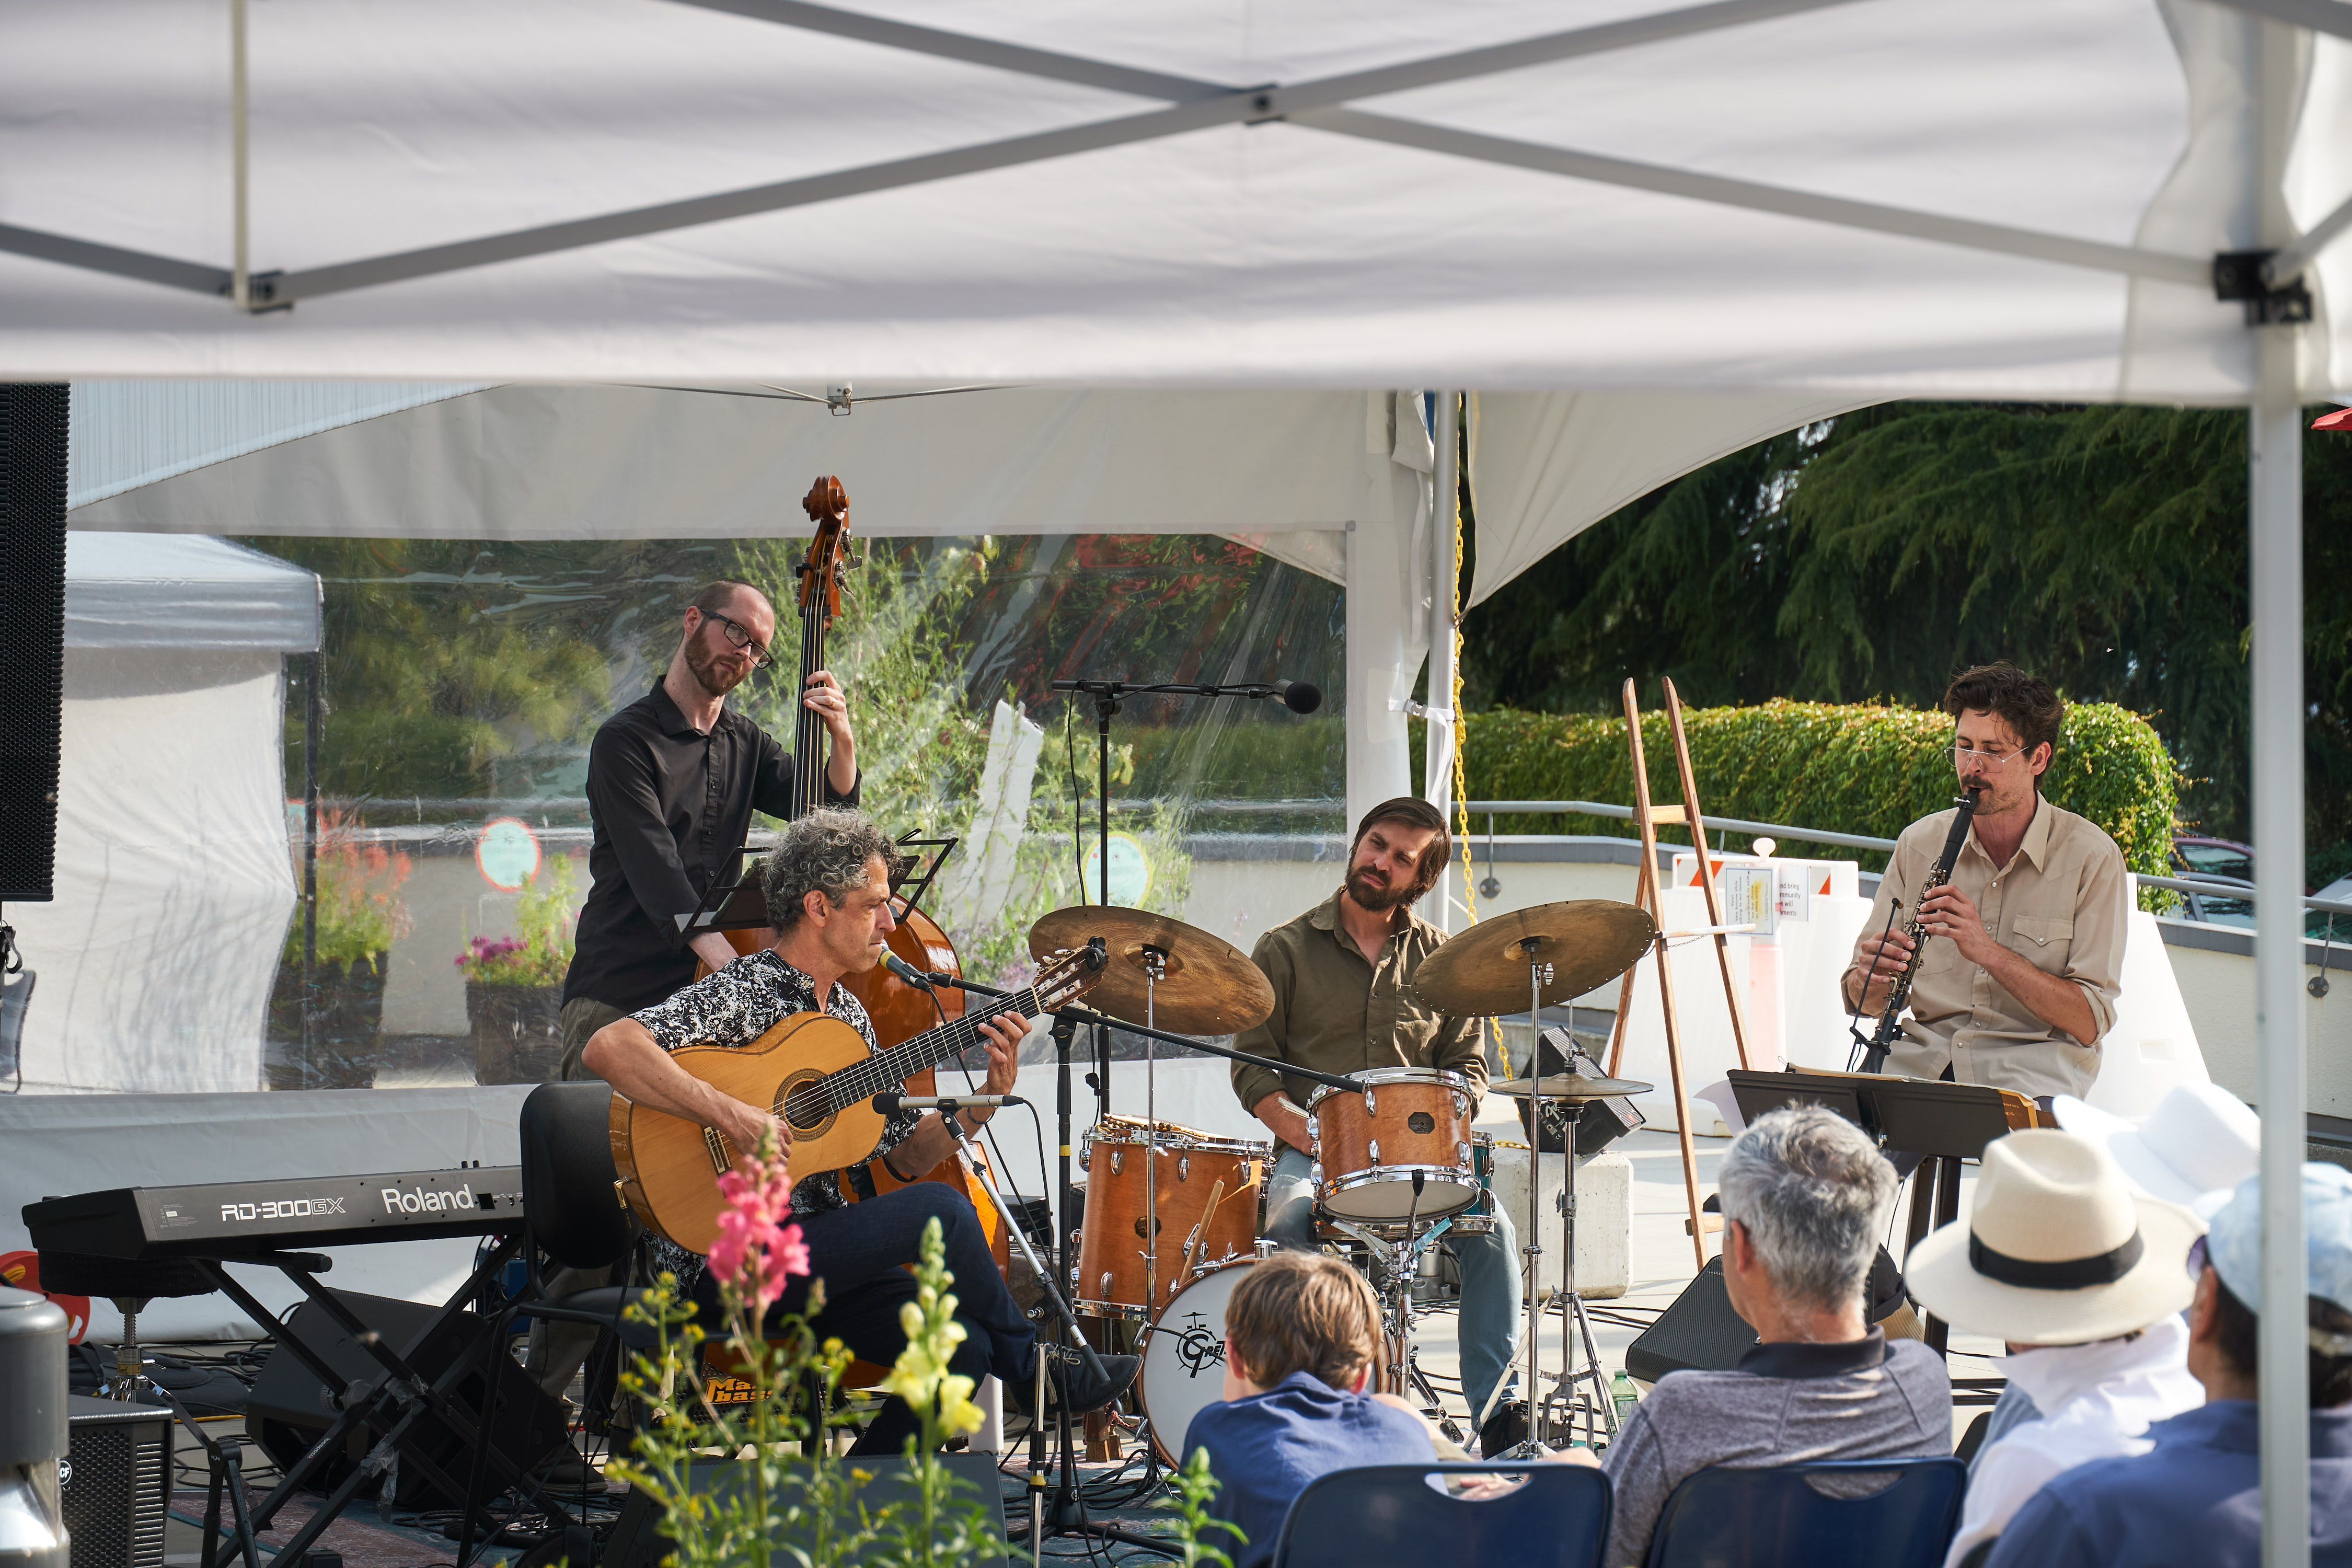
(1540, 975)
(1564, 1391)
(1155, 966)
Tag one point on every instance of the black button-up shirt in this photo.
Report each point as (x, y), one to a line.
(671, 804)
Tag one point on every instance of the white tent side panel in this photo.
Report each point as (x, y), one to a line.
(173, 882)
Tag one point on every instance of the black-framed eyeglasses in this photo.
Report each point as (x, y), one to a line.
(737, 635)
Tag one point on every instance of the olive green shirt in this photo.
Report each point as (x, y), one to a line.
(2063, 901)
(1337, 1011)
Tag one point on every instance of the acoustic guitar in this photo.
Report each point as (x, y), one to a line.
(813, 1071)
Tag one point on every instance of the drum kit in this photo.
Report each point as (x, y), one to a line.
(1172, 1215)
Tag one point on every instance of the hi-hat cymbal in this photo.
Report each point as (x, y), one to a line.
(1483, 972)
(1206, 986)
(1569, 1086)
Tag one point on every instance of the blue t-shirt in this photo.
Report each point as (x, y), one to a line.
(2196, 1499)
(1264, 1449)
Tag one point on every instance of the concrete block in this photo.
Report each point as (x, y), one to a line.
(1605, 1217)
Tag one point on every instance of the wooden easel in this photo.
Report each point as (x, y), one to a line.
(1648, 818)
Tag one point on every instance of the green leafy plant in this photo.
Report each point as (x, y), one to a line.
(1194, 1486)
(1847, 767)
(540, 953)
(360, 909)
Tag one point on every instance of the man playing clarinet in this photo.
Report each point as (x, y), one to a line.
(2024, 946)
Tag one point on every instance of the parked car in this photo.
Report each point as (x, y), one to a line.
(2227, 860)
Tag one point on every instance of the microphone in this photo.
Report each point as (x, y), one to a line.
(888, 1103)
(1299, 696)
(905, 970)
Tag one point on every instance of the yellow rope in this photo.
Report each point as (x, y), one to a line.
(1451, 626)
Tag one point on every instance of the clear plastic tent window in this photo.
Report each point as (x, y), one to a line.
(463, 682)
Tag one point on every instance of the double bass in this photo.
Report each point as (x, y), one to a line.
(898, 1011)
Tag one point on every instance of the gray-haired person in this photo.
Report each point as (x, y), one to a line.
(1805, 1197)
(827, 883)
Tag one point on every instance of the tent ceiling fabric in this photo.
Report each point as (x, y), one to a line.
(1288, 472)
(1544, 466)
(1647, 206)
(168, 591)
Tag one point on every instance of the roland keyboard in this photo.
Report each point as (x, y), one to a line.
(244, 1219)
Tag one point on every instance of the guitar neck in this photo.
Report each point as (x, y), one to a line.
(886, 1070)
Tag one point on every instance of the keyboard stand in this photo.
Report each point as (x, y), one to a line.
(396, 1403)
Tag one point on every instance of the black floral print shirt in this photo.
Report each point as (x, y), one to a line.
(732, 1008)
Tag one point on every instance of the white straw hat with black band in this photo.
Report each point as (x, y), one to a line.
(2193, 1149)
(2057, 1249)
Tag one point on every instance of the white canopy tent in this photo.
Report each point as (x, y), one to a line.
(173, 883)
(1842, 199)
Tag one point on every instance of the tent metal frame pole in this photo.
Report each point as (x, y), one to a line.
(2275, 551)
(2275, 518)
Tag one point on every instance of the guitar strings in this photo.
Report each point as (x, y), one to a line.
(877, 1072)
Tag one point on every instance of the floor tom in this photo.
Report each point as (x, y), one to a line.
(1195, 1171)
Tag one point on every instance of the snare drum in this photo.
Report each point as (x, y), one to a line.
(1478, 1219)
(1370, 1146)
(1110, 1279)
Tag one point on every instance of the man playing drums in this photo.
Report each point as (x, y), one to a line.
(1343, 1004)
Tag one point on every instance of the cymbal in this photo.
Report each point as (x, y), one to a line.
(1207, 986)
(1483, 971)
(1569, 1086)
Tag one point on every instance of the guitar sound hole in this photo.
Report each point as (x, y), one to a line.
(805, 1107)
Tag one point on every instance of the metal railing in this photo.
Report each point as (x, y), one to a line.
(2210, 886)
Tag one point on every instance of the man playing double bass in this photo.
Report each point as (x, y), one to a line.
(673, 779)
(1343, 1001)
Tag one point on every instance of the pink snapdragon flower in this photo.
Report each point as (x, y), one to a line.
(756, 1251)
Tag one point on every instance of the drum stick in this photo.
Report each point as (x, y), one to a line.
(1192, 1242)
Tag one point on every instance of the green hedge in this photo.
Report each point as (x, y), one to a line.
(1844, 767)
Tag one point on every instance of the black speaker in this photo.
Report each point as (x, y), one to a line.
(32, 634)
(289, 1408)
(116, 1482)
(1599, 1122)
(1700, 1331)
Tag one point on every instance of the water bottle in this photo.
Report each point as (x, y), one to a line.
(1624, 1397)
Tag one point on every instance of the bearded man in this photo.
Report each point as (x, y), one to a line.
(673, 779)
(1343, 1003)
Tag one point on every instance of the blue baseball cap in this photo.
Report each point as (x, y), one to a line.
(2234, 1245)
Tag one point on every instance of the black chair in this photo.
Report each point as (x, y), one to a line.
(1723, 1518)
(1556, 1517)
(571, 1214)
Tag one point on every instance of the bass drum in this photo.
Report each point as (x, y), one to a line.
(1184, 1356)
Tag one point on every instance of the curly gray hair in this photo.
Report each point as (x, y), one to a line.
(1812, 1193)
(827, 852)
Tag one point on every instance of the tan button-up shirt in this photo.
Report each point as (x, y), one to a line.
(1338, 1011)
(2063, 901)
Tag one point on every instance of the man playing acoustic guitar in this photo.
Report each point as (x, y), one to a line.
(827, 884)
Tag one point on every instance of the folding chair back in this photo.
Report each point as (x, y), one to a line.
(568, 1198)
(1557, 1518)
(1750, 1519)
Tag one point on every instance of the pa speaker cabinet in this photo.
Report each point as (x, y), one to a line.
(32, 634)
(1700, 1331)
(116, 1482)
(289, 1408)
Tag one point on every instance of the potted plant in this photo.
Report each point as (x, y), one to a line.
(748, 1482)
(514, 984)
(359, 915)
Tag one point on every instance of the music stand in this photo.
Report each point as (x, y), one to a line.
(1946, 1122)
(740, 905)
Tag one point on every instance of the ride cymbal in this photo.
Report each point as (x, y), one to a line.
(1569, 1086)
(1483, 971)
(1206, 986)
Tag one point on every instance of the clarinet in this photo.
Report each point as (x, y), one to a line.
(1873, 1059)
